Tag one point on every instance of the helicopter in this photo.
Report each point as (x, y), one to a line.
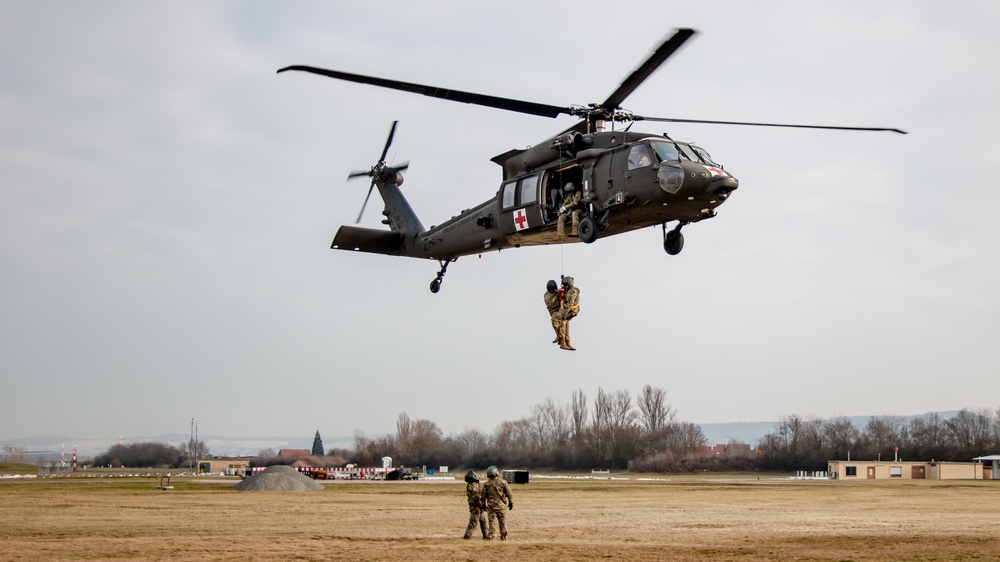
(626, 180)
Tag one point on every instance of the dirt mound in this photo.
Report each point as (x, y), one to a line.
(278, 478)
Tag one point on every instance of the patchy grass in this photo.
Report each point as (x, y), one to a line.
(683, 519)
(17, 468)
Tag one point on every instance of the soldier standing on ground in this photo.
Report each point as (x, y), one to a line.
(553, 302)
(570, 308)
(497, 497)
(474, 493)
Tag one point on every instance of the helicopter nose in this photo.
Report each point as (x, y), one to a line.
(721, 187)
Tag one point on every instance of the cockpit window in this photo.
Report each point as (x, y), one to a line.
(688, 152)
(638, 157)
(704, 156)
(666, 151)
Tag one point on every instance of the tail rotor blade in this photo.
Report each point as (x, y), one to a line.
(366, 202)
(358, 174)
(388, 141)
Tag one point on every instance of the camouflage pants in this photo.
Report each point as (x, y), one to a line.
(564, 326)
(477, 516)
(574, 217)
(557, 323)
(500, 516)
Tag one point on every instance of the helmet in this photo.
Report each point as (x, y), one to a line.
(567, 281)
(569, 187)
(551, 286)
(492, 472)
(471, 477)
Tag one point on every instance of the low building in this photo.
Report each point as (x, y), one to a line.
(293, 454)
(991, 466)
(904, 470)
(231, 466)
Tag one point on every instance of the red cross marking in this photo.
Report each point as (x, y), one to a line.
(520, 221)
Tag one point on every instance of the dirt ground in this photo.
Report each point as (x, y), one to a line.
(675, 518)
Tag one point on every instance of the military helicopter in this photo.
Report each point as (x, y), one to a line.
(627, 180)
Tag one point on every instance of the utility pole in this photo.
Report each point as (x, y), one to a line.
(191, 447)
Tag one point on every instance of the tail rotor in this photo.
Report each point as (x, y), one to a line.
(380, 173)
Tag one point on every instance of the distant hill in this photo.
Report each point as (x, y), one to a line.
(52, 447)
(752, 432)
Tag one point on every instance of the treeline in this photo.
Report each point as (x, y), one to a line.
(799, 443)
(151, 455)
(615, 431)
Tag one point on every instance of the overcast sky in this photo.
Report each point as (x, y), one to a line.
(168, 203)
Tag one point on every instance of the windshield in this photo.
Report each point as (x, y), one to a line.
(687, 153)
(666, 151)
(704, 155)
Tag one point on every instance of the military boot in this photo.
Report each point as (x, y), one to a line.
(564, 344)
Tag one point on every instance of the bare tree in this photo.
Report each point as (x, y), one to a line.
(578, 412)
(15, 454)
(882, 434)
(970, 432)
(550, 425)
(425, 441)
(472, 442)
(928, 438)
(654, 412)
(404, 433)
(841, 437)
(621, 413)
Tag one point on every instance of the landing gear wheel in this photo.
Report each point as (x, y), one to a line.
(673, 241)
(588, 230)
(436, 283)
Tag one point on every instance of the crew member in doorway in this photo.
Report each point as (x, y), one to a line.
(570, 308)
(553, 302)
(570, 210)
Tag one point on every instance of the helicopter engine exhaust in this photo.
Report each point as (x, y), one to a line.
(565, 145)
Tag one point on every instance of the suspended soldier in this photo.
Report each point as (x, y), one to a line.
(570, 308)
(553, 302)
(497, 497)
(477, 515)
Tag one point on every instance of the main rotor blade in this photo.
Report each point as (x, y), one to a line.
(639, 75)
(366, 202)
(519, 106)
(835, 127)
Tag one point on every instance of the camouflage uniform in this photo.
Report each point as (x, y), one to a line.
(570, 209)
(571, 307)
(554, 304)
(474, 493)
(498, 499)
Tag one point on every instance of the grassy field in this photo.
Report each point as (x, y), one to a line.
(676, 518)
